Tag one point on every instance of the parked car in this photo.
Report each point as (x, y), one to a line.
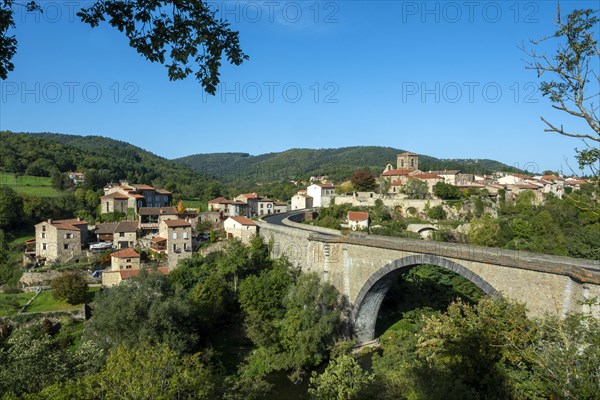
(97, 273)
(203, 237)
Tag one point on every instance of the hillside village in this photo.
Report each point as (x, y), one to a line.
(150, 229)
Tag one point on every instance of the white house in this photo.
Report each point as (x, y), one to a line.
(240, 227)
(317, 192)
(301, 201)
(512, 179)
(358, 220)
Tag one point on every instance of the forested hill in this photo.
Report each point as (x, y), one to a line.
(337, 163)
(101, 159)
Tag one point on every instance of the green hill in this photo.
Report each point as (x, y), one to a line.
(336, 163)
(101, 159)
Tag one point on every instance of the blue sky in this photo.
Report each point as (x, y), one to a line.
(439, 78)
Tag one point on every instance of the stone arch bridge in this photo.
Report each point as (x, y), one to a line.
(363, 268)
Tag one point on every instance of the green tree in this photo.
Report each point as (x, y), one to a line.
(151, 310)
(415, 189)
(437, 213)
(484, 231)
(572, 86)
(343, 379)
(11, 208)
(70, 286)
(446, 191)
(188, 38)
(143, 372)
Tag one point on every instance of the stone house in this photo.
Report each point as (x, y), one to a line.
(60, 240)
(125, 234)
(174, 240)
(241, 228)
(279, 207)
(126, 258)
(132, 197)
(149, 218)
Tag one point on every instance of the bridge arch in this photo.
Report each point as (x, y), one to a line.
(370, 297)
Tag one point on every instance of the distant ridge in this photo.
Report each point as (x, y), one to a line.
(337, 163)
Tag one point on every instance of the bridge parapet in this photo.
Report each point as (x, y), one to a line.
(580, 270)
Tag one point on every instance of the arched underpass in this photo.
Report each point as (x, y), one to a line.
(373, 293)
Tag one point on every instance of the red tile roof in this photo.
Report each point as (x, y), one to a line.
(397, 172)
(397, 183)
(163, 191)
(249, 195)
(125, 253)
(136, 196)
(243, 221)
(177, 223)
(448, 172)
(72, 221)
(143, 187)
(426, 176)
(158, 239)
(326, 185)
(358, 216)
(114, 195)
(219, 200)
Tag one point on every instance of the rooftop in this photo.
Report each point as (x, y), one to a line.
(244, 221)
(125, 253)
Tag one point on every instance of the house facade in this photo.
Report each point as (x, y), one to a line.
(301, 201)
(241, 228)
(318, 191)
(60, 240)
(174, 240)
(358, 220)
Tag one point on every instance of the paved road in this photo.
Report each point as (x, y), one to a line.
(277, 219)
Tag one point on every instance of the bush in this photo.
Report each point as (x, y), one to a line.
(71, 287)
(437, 213)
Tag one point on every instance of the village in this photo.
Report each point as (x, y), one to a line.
(153, 231)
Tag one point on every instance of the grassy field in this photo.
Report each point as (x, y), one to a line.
(46, 302)
(29, 185)
(10, 304)
(193, 203)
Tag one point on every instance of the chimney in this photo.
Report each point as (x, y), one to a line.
(50, 220)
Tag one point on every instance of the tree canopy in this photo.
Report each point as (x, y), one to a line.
(187, 37)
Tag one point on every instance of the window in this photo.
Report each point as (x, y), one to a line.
(401, 163)
(185, 235)
(68, 236)
(185, 246)
(128, 260)
(44, 246)
(66, 246)
(128, 267)
(412, 162)
(121, 234)
(174, 247)
(174, 235)
(43, 235)
(43, 228)
(261, 205)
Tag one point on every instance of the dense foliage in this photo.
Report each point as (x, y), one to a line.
(338, 164)
(70, 286)
(101, 159)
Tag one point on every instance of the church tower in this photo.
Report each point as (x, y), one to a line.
(407, 161)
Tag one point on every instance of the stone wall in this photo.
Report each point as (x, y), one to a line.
(391, 201)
